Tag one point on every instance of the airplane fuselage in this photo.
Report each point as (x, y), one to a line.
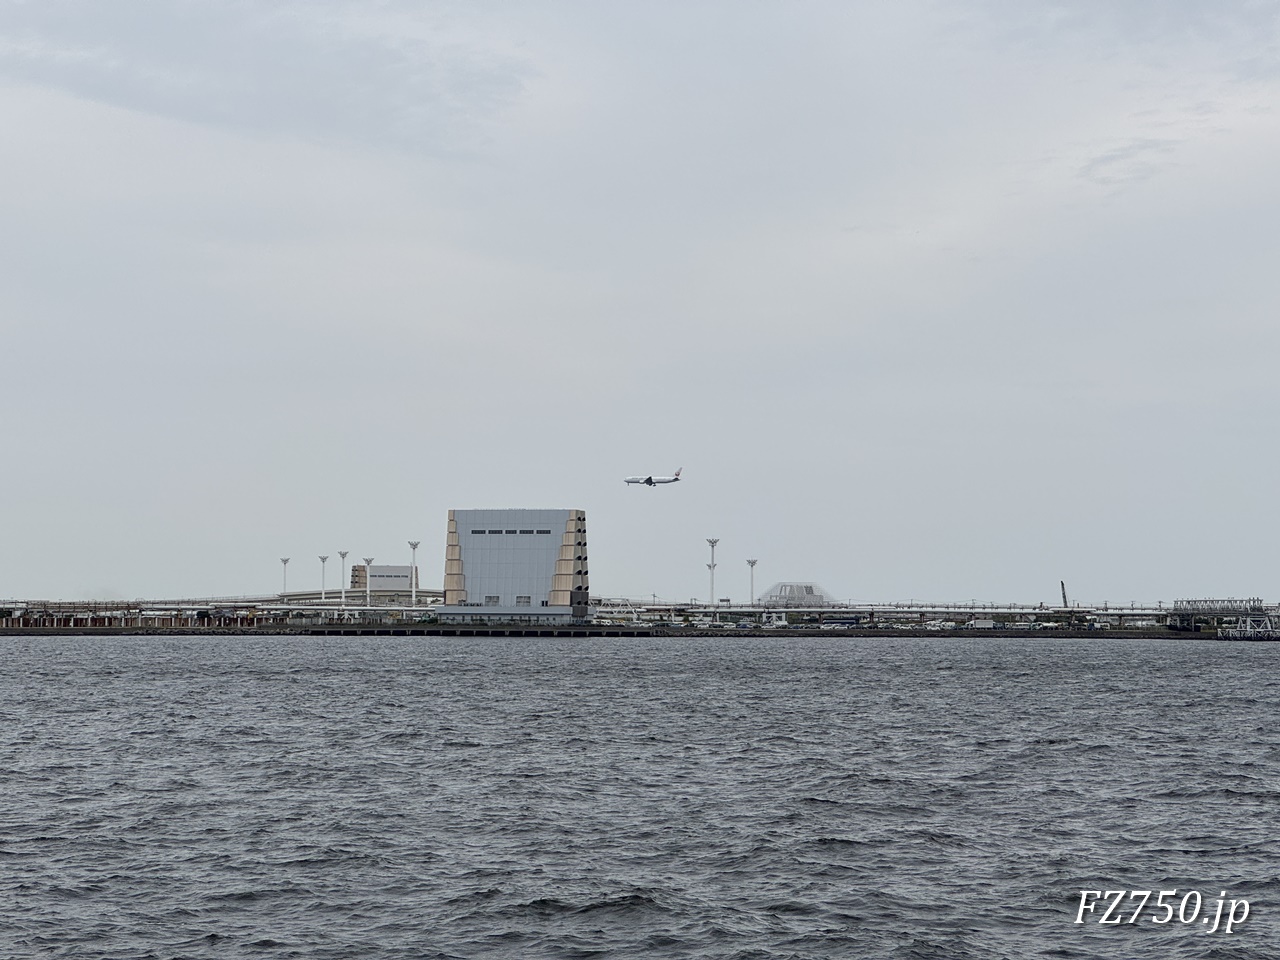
(653, 481)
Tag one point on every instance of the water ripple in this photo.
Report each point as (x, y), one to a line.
(730, 797)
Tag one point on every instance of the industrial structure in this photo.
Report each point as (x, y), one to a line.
(521, 566)
(1249, 619)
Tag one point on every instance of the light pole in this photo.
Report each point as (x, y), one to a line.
(343, 582)
(752, 565)
(284, 564)
(368, 578)
(323, 560)
(712, 567)
(413, 572)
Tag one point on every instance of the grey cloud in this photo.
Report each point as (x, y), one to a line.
(1129, 163)
(327, 71)
(231, 348)
(1244, 34)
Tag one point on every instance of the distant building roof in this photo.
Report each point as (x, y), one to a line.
(796, 595)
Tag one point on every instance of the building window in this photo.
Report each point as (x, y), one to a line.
(510, 531)
(491, 601)
(544, 531)
(526, 531)
(523, 601)
(477, 531)
(495, 531)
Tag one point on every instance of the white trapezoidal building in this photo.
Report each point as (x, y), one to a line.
(795, 595)
(516, 565)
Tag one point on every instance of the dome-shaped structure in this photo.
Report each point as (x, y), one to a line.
(795, 595)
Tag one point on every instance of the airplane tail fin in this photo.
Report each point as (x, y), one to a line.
(677, 473)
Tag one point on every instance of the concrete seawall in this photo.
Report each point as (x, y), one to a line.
(588, 631)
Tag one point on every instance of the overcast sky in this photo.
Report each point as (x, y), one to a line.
(930, 300)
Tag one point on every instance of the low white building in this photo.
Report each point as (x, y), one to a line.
(383, 577)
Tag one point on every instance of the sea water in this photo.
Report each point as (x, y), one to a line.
(789, 797)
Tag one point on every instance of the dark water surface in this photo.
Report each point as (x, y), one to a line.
(748, 798)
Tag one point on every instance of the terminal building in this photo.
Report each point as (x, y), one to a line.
(523, 566)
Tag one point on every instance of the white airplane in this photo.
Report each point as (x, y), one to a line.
(654, 481)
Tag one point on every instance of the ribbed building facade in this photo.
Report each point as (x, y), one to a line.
(516, 565)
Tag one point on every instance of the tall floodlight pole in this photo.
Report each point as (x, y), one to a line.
(712, 567)
(368, 579)
(752, 565)
(342, 584)
(323, 560)
(284, 586)
(413, 572)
